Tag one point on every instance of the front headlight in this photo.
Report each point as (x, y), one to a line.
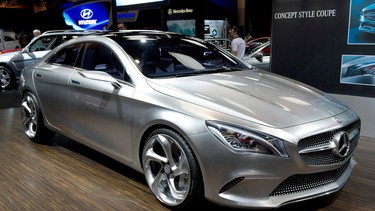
(362, 14)
(240, 139)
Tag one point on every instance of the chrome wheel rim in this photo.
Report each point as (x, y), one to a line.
(29, 116)
(166, 169)
(4, 78)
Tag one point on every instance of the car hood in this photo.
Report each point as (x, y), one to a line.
(8, 56)
(370, 7)
(256, 96)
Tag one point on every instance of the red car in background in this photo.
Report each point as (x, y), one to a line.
(252, 44)
(10, 50)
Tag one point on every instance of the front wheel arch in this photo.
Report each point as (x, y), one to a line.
(180, 166)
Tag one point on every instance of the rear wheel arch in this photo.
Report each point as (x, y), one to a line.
(33, 119)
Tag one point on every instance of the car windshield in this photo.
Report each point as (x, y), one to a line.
(166, 56)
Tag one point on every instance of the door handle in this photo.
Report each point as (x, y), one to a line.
(75, 82)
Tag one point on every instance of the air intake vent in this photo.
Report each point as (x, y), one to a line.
(231, 183)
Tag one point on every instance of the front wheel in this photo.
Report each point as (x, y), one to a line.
(32, 119)
(171, 170)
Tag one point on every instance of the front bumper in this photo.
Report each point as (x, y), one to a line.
(251, 180)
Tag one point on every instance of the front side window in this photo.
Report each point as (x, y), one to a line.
(44, 43)
(9, 39)
(100, 58)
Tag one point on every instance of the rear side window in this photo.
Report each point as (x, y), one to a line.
(67, 56)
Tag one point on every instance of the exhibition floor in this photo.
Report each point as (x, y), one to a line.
(66, 175)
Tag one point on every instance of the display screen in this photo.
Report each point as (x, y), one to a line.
(120, 3)
(93, 15)
(186, 27)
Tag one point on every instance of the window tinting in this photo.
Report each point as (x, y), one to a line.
(165, 56)
(67, 56)
(101, 58)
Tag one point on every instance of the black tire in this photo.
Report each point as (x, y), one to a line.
(168, 157)
(7, 79)
(32, 120)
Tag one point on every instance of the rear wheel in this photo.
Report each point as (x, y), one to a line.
(171, 170)
(7, 80)
(32, 119)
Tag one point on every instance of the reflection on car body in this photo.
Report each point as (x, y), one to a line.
(195, 120)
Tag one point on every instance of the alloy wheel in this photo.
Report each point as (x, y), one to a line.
(167, 169)
(4, 78)
(29, 116)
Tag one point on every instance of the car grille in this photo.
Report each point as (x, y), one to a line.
(369, 15)
(303, 182)
(323, 155)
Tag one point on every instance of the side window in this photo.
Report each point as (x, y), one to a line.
(68, 37)
(101, 58)
(8, 39)
(61, 39)
(67, 56)
(43, 43)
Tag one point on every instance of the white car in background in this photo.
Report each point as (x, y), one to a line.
(8, 41)
(12, 63)
(260, 56)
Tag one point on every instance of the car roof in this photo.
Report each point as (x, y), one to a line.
(70, 32)
(106, 32)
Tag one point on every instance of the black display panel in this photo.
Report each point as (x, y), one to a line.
(316, 42)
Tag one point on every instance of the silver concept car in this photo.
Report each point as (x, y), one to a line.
(196, 121)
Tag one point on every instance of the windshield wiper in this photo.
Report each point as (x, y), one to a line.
(208, 71)
(190, 72)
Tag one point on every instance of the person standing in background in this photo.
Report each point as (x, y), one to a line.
(121, 26)
(238, 45)
(248, 37)
(36, 32)
(23, 39)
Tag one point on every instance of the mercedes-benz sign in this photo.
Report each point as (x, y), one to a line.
(341, 140)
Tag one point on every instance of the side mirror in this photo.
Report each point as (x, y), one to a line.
(100, 76)
(259, 56)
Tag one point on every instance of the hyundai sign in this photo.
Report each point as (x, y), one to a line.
(92, 15)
